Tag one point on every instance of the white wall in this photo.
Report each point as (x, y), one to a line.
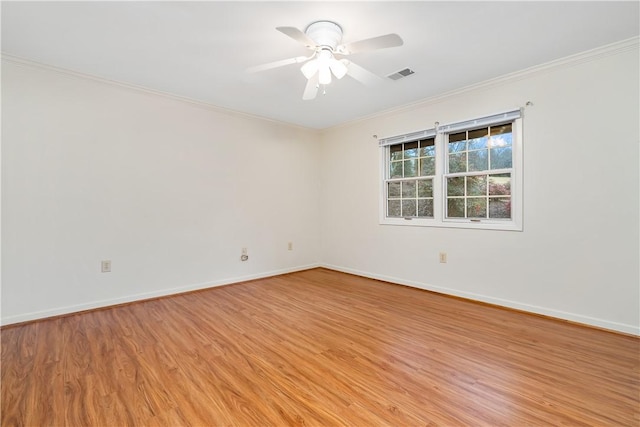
(578, 255)
(169, 191)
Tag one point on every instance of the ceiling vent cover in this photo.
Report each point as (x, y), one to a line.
(401, 74)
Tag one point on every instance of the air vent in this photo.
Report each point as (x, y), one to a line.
(401, 74)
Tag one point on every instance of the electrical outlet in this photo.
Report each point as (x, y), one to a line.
(245, 255)
(290, 246)
(443, 257)
(105, 266)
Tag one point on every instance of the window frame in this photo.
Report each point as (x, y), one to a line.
(414, 179)
(439, 219)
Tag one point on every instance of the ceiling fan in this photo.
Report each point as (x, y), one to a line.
(324, 38)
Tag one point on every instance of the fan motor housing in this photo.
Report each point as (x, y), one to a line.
(325, 33)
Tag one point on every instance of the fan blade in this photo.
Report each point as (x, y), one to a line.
(311, 90)
(276, 64)
(297, 35)
(337, 68)
(380, 42)
(362, 75)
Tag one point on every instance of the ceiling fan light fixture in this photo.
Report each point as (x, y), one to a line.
(324, 75)
(324, 38)
(338, 68)
(324, 62)
(310, 69)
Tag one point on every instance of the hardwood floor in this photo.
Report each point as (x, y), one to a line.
(316, 348)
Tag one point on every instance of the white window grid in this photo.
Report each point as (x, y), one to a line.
(439, 179)
(484, 172)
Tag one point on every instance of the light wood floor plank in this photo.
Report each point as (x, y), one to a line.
(315, 348)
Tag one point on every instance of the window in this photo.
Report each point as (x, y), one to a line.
(410, 186)
(479, 166)
(466, 174)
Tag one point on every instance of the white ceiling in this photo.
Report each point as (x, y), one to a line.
(200, 50)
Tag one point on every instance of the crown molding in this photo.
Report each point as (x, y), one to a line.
(565, 62)
(5, 57)
(569, 61)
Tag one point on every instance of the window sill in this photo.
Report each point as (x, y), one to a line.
(468, 224)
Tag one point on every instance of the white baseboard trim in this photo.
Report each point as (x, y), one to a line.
(577, 318)
(38, 315)
(562, 315)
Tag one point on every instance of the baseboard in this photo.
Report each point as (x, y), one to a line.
(557, 314)
(61, 311)
(561, 315)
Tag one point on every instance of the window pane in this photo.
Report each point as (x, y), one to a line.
(477, 207)
(501, 136)
(478, 160)
(455, 186)
(500, 184)
(428, 166)
(393, 208)
(395, 152)
(455, 208)
(395, 170)
(455, 147)
(501, 140)
(478, 133)
(477, 185)
(411, 167)
(497, 130)
(425, 207)
(393, 189)
(409, 207)
(408, 189)
(425, 188)
(411, 150)
(457, 142)
(457, 137)
(478, 138)
(501, 158)
(500, 207)
(427, 147)
(458, 162)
